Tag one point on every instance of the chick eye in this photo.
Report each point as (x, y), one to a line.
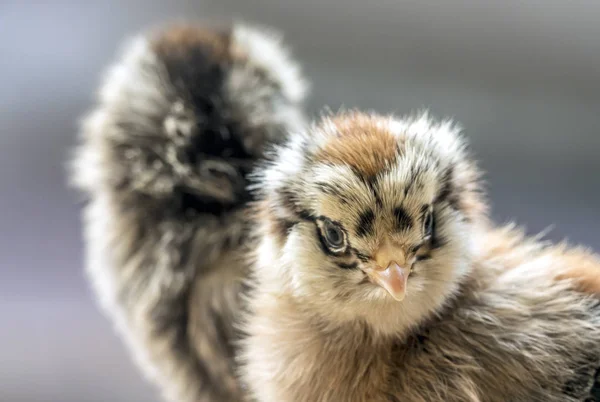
(333, 235)
(427, 224)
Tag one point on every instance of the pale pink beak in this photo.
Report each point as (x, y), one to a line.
(392, 279)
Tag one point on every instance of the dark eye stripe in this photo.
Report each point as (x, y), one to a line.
(366, 220)
(416, 248)
(361, 256)
(352, 265)
(282, 227)
(424, 257)
(305, 215)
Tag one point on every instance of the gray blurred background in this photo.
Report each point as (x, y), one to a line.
(522, 76)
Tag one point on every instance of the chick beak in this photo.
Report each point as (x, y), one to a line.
(392, 279)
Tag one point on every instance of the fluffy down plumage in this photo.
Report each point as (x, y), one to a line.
(181, 118)
(364, 210)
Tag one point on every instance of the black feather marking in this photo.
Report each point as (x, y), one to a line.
(424, 257)
(584, 382)
(370, 182)
(286, 199)
(328, 188)
(352, 265)
(306, 215)
(595, 391)
(197, 75)
(333, 190)
(447, 192)
(360, 256)
(422, 341)
(171, 315)
(445, 187)
(288, 225)
(221, 332)
(365, 224)
(414, 173)
(170, 318)
(283, 226)
(437, 240)
(403, 220)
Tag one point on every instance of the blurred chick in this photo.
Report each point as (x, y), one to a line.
(380, 278)
(163, 160)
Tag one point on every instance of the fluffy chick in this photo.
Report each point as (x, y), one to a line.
(163, 158)
(380, 278)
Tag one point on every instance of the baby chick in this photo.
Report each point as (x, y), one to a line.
(379, 277)
(163, 159)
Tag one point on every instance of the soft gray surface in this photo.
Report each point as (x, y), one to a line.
(522, 76)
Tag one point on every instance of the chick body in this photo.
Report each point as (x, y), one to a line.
(163, 161)
(488, 315)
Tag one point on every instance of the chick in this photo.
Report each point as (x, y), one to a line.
(181, 118)
(379, 277)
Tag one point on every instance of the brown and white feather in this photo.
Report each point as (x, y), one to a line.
(489, 315)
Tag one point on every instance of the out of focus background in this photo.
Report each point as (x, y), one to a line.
(523, 76)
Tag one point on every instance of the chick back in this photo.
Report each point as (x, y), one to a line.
(163, 161)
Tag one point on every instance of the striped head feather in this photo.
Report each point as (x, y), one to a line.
(367, 218)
